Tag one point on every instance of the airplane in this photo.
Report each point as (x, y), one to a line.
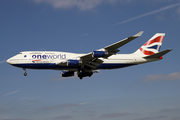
(87, 64)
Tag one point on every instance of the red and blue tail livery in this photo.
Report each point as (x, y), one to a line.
(153, 45)
(87, 64)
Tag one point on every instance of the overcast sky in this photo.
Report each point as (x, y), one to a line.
(144, 92)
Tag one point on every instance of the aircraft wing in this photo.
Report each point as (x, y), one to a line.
(91, 61)
(118, 44)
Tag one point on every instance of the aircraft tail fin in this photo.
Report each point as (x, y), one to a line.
(152, 46)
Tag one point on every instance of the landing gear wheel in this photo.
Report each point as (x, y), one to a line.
(80, 76)
(90, 74)
(25, 74)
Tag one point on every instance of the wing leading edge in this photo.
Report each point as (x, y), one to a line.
(118, 44)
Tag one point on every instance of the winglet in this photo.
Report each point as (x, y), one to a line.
(138, 34)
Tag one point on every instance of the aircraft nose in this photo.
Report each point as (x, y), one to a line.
(8, 61)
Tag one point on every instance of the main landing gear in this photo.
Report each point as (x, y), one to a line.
(25, 73)
(84, 73)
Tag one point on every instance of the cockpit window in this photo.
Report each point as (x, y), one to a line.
(20, 53)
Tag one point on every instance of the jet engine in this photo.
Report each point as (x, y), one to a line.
(67, 73)
(73, 62)
(96, 54)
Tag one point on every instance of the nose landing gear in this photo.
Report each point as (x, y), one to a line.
(25, 74)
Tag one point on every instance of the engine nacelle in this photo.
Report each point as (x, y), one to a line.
(73, 62)
(96, 54)
(67, 73)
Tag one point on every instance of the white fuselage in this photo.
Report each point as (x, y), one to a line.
(50, 59)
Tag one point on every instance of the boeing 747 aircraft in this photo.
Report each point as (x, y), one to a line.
(87, 64)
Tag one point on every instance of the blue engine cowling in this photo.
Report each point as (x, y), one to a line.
(73, 63)
(97, 54)
(67, 73)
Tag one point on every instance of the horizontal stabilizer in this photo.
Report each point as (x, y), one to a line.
(159, 54)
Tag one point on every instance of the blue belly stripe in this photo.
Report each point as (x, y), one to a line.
(54, 66)
(113, 66)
